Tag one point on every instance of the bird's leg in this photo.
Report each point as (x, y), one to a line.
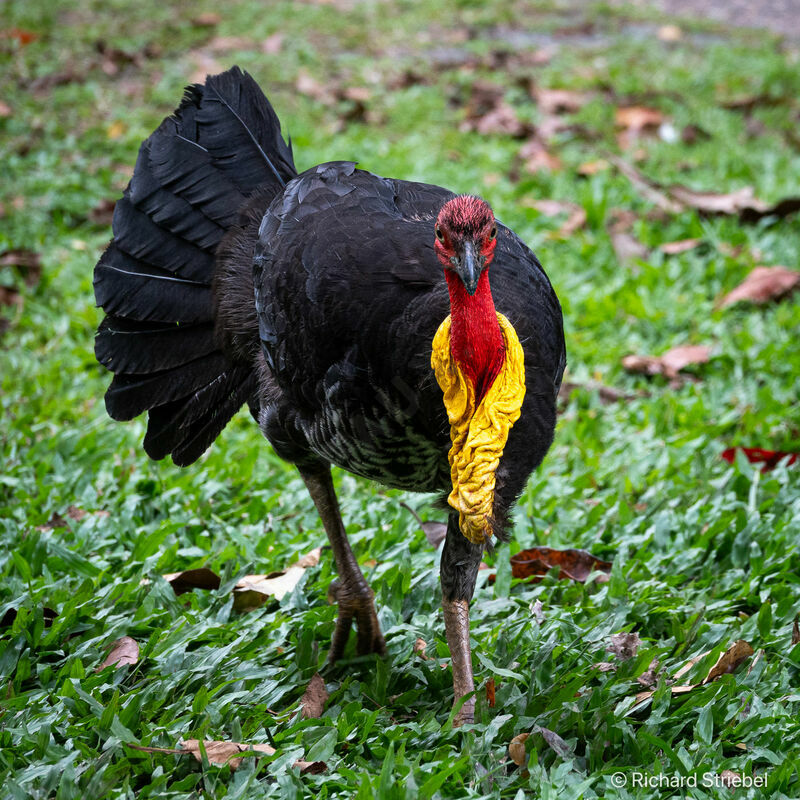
(352, 593)
(459, 570)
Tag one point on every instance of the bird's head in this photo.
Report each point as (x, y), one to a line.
(466, 236)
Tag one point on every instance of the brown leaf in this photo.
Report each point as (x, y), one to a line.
(27, 262)
(627, 247)
(487, 112)
(795, 633)
(692, 134)
(538, 613)
(123, 651)
(201, 578)
(576, 215)
(537, 158)
(575, 565)
(650, 676)
(677, 198)
(681, 246)
(314, 698)
(638, 117)
(5, 110)
(253, 591)
(103, 212)
(607, 394)
(670, 33)
(420, 646)
(557, 744)
(730, 660)
(434, 531)
(605, 666)
(762, 285)
(670, 363)
(624, 645)
(273, 44)
(490, 693)
(516, 749)
(559, 101)
(593, 167)
(207, 19)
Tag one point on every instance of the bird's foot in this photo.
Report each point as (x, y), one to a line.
(356, 602)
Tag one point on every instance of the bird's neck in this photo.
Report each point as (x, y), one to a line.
(476, 341)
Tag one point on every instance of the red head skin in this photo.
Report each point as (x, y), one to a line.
(476, 342)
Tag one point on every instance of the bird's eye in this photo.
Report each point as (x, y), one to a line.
(439, 234)
(493, 232)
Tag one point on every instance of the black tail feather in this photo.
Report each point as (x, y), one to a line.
(192, 179)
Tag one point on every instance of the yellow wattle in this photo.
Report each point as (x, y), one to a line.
(479, 435)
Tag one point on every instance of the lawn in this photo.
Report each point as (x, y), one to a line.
(704, 551)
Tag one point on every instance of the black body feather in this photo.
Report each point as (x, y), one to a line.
(324, 294)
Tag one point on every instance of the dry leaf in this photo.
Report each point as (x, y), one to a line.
(627, 247)
(607, 394)
(537, 611)
(593, 167)
(677, 198)
(728, 662)
(487, 112)
(605, 666)
(755, 455)
(253, 591)
(314, 698)
(516, 749)
(624, 645)
(670, 33)
(201, 578)
(795, 633)
(537, 158)
(576, 215)
(124, 651)
(681, 246)
(490, 692)
(638, 117)
(575, 565)
(273, 44)
(27, 262)
(670, 363)
(420, 646)
(762, 285)
(208, 19)
(434, 531)
(557, 744)
(5, 110)
(650, 676)
(558, 101)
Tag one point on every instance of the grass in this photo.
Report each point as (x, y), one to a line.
(704, 553)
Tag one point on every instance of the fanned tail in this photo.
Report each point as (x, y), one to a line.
(195, 178)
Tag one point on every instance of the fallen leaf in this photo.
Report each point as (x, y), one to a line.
(558, 101)
(537, 158)
(420, 646)
(557, 744)
(627, 247)
(635, 122)
(222, 753)
(677, 198)
(670, 33)
(253, 591)
(574, 565)
(728, 662)
(5, 110)
(201, 578)
(607, 394)
(755, 455)
(273, 44)
(537, 611)
(624, 645)
(762, 285)
(116, 129)
(691, 134)
(490, 692)
(103, 212)
(124, 651)
(20, 35)
(576, 215)
(314, 698)
(27, 262)
(516, 749)
(670, 363)
(73, 512)
(795, 633)
(435, 532)
(681, 246)
(207, 19)
(650, 676)
(487, 112)
(605, 666)
(593, 167)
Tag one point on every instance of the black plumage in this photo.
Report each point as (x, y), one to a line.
(315, 299)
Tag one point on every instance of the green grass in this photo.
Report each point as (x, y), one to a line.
(704, 553)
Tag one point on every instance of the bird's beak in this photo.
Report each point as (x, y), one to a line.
(469, 267)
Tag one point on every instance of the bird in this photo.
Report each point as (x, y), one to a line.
(394, 329)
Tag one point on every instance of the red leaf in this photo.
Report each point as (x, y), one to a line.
(490, 692)
(576, 565)
(762, 285)
(755, 455)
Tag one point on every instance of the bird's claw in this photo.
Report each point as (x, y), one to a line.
(356, 602)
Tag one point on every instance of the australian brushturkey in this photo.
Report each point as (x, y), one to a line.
(352, 313)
